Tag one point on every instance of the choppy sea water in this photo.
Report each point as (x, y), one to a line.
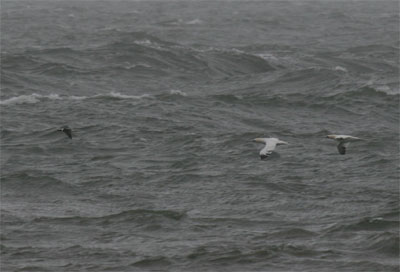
(164, 99)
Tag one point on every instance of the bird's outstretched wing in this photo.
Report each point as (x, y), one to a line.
(343, 141)
(68, 131)
(269, 147)
(342, 147)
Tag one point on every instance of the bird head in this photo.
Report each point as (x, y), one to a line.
(63, 128)
(259, 140)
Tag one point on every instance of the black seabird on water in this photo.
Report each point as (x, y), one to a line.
(67, 131)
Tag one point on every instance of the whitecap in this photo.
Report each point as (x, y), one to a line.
(74, 97)
(177, 92)
(29, 99)
(35, 98)
(144, 42)
(22, 99)
(341, 69)
(381, 87)
(194, 22)
(53, 97)
(267, 56)
(112, 94)
(387, 90)
(124, 96)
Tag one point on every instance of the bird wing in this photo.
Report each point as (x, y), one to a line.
(346, 138)
(68, 132)
(269, 147)
(342, 147)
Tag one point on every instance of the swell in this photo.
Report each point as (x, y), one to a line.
(367, 224)
(378, 234)
(37, 98)
(140, 216)
(385, 243)
(355, 101)
(35, 183)
(134, 52)
(263, 255)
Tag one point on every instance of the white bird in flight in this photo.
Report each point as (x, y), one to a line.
(343, 141)
(270, 144)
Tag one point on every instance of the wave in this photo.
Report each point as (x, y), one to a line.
(221, 255)
(378, 89)
(194, 22)
(341, 69)
(113, 95)
(29, 99)
(384, 242)
(57, 69)
(117, 95)
(373, 48)
(179, 22)
(341, 103)
(36, 182)
(36, 98)
(152, 261)
(141, 216)
(380, 234)
(9, 218)
(367, 224)
(140, 52)
(293, 233)
(178, 92)
(379, 94)
(53, 62)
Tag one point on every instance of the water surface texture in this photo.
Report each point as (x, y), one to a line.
(164, 100)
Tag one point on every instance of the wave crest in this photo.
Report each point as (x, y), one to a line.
(36, 98)
(29, 99)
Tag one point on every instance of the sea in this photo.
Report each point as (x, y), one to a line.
(164, 100)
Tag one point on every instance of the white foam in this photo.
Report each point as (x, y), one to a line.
(267, 56)
(194, 22)
(22, 99)
(112, 94)
(144, 42)
(382, 87)
(74, 97)
(36, 98)
(151, 44)
(387, 90)
(177, 92)
(29, 99)
(124, 96)
(341, 69)
(53, 97)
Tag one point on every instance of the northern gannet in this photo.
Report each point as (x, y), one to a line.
(270, 144)
(66, 130)
(343, 141)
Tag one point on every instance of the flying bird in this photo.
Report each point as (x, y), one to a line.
(343, 141)
(66, 130)
(270, 144)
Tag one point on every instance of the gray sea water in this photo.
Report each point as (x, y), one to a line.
(164, 99)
